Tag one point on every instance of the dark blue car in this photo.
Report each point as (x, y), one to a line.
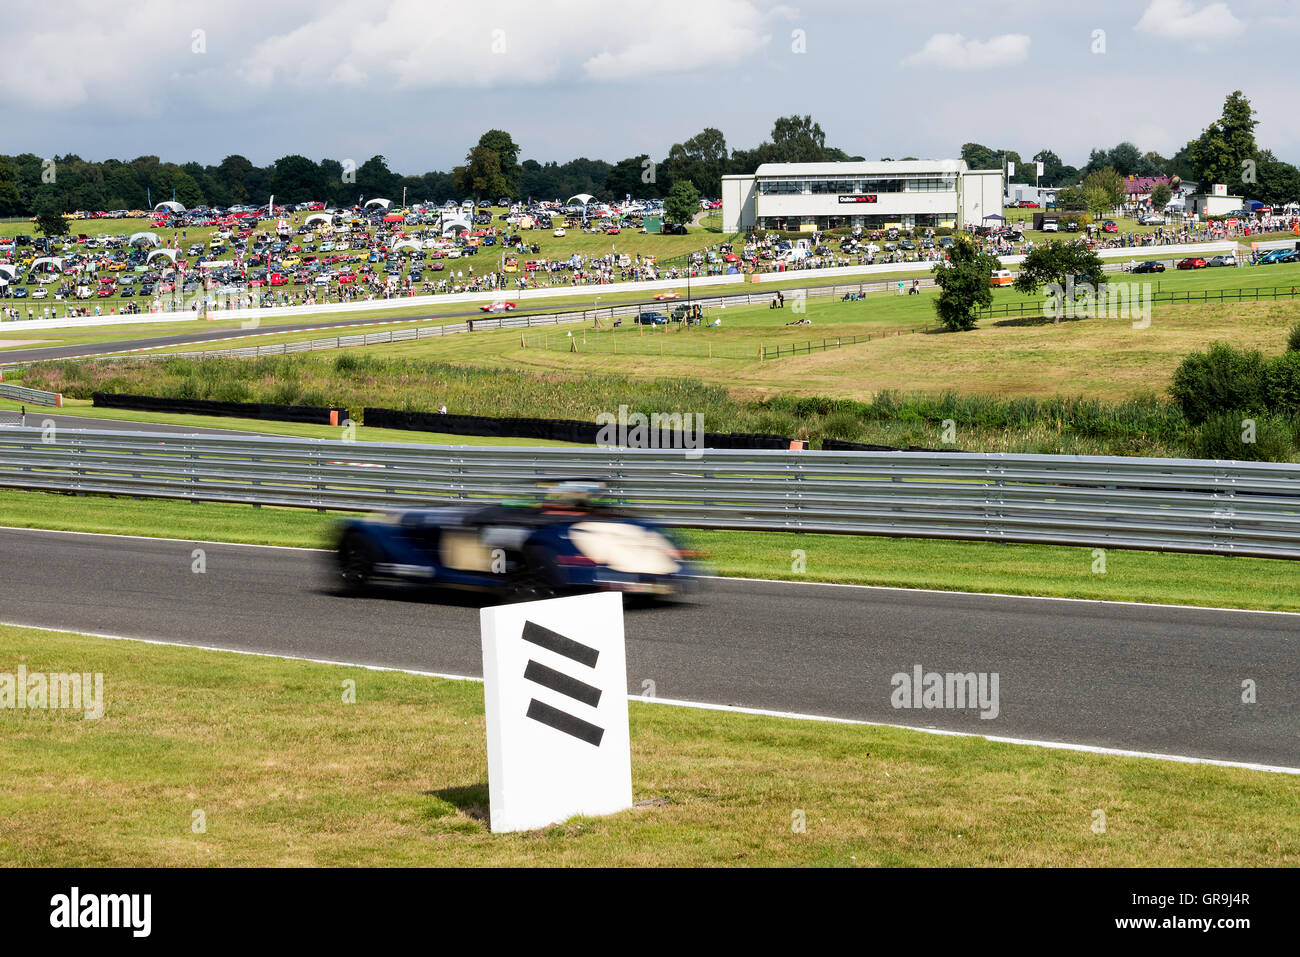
(566, 544)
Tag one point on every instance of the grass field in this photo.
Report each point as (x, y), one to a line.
(212, 759)
(1209, 580)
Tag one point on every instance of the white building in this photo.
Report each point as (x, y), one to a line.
(907, 193)
(1217, 202)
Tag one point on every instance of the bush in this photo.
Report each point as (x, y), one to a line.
(841, 425)
(1220, 380)
(1225, 436)
(1293, 338)
(1282, 384)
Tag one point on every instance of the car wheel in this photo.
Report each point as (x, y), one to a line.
(356, 564)
(535, 581)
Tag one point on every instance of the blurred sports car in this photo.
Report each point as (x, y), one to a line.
(569, 542)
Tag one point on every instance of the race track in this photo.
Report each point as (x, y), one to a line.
(1147, 678)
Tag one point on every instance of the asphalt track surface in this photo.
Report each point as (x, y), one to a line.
(209, 335)
(1146, 678)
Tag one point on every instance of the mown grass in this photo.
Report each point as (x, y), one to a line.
(1056, 571)
(285, 773)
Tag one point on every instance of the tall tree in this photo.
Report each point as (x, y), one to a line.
(1218, 154)
(507, 150)
(683, 202)
(797, 139)
(963, 283)
(481, 175)
(702, 159)
(296, 179)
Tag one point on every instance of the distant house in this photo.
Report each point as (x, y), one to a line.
(1138, 189)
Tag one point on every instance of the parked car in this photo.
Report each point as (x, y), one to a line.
(1149, 265)
(1193, 262)
(1225, 259)
(1109, 226)
(651, 319)
(1001, 277)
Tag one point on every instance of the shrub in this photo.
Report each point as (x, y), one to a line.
(841, 425)
(1225, 436)
(1282, 384)
(1293, 338)
(1220, 380)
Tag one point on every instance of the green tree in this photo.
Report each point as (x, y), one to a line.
(1071, 197)
(1161, 195)
(1276, 182)
(1055, 265)
(702, 159)
(631, 177)
(507, 150)
(1125, 159)
(296, 179)
(963, 282)
(10, 199)
(683, 202)
(481, 175)
(49, 216)
(1218, 154)
(796, 139)
(1105, 187)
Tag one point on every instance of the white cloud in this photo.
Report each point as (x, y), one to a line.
(952, 51)
(414, 45)
(1181, 20)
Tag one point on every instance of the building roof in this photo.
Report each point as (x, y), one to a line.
(899, 167)
(1139, 185)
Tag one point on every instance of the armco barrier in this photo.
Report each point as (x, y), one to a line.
(35, 396)
(1240, 508)
(242, 410)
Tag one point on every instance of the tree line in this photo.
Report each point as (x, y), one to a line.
(1224, 152)
(491, 169)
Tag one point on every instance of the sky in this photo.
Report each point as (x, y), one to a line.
(419, 81)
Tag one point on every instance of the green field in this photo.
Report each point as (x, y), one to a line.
(206, 758)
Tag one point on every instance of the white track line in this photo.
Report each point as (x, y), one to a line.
(706, 706)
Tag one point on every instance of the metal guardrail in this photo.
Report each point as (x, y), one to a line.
(1241, 508)
(35, 396)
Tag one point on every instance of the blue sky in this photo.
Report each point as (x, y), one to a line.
(418, 81)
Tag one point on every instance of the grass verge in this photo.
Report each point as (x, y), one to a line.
(285, 773)
(1055, 571)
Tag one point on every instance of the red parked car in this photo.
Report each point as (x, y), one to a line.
(1194, 262)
